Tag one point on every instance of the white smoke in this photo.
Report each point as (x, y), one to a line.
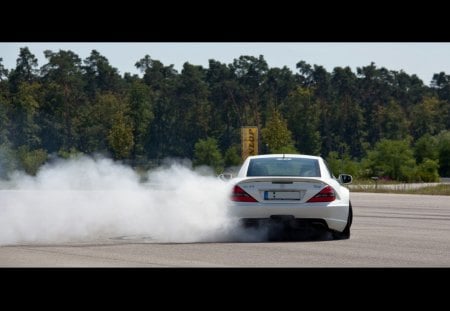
(87, 199)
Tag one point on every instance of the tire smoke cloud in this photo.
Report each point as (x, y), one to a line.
(86, 199)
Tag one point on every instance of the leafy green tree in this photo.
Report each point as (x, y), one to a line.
(120, 136)
(25, 129)
(276, 135)
(441, 83)
(5, 108)
(192, 110)
(31, 160)
(72, 153)
(8, 160)
(224, 116)
(320, 84)
(407, 90)
(207, 153)
(429, 116)
(280, 82)
(426, 147)
(162, 129)
(140, 98)
(72, 106)
(393, 122)
(100, 75)
(63, 67)
(182, 113)
(374, 91)
(347, 117)
(3, 71)
(343, 165)
(232, 157)
(250, 73)
(4, 124)
(64, 100)
(305, 77)
(303, 118)
(162, 81)
(25, 70)
(428, 170)
(52, 117)
(98, 121)
(155, 73)
(444, 153)
(392, 158)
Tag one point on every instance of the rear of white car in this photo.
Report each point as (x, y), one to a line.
(294, 189)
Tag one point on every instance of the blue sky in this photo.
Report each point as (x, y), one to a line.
(422, 59)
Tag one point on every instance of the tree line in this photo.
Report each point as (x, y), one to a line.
(370, 122)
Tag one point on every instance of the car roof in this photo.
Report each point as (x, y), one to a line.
(286, 155)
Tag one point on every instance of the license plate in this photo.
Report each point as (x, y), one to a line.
(281, 195)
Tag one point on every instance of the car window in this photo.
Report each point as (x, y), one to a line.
(300, 167)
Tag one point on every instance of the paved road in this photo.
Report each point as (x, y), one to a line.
(389, 230)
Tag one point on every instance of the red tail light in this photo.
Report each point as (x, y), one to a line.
(239, 195)
(326, 195)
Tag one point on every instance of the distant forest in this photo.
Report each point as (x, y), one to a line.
(372, 122)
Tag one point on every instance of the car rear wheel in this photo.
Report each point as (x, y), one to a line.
(346, 233)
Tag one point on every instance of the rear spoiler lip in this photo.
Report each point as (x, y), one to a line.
(281, 179)
(244, 180)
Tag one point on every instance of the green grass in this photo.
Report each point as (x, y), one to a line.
(359, 181)
(442, 189)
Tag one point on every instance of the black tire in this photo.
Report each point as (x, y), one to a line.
(346, 233)
(249, 224)
(277, 231)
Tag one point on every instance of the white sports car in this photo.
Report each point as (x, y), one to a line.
(296, 191)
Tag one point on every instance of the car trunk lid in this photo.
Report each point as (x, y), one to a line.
(282, 189)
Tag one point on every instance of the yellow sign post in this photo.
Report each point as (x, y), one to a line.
(249, 138)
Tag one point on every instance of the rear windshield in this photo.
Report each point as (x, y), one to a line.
(300, 167)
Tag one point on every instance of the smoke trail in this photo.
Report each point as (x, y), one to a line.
(85, 198)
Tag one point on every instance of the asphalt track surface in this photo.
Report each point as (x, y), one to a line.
(389, 230)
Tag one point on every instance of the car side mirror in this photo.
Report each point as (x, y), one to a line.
(225, 176)
(345, 179)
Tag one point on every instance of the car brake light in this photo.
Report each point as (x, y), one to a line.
(239, 195)
(327, 194)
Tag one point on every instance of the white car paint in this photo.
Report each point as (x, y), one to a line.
(335, 213)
